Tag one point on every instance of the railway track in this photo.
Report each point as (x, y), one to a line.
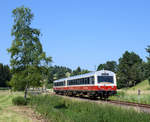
(129, 103)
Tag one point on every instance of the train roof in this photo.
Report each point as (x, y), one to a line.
(85, 75)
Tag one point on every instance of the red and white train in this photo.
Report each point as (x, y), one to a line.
(95, 84)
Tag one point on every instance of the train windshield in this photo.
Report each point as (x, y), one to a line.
(105, 79)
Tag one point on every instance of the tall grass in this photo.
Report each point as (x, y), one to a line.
(124, 96)
(58, 109)
(7, 112)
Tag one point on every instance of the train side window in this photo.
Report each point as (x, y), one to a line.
(68, 82)
(87, 80)
(79, 81)
(72, 82)
(91, 80)
(76, 81)
(83, 81)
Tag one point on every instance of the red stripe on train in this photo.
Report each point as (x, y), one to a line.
(88, 88)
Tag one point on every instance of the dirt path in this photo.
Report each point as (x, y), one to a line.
(11, 113)
(27, 112)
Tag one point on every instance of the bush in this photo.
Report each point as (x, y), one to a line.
(19, 101)
(121, 93)
(149, 80)
(49, 85)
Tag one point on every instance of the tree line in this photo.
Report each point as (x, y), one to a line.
(5, 75)
(130, 70)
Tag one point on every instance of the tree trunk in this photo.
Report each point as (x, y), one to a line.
(25, 93)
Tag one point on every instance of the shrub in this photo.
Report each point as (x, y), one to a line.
(121, 93)
(149, 80)
(19, 101)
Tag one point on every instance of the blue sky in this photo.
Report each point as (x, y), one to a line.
(82, 33)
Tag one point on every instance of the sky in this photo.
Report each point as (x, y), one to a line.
(82, 33)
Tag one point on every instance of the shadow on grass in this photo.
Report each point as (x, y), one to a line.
(61, 106)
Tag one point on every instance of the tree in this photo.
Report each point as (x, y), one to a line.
(27, 55)
(76, 72)
(5, 75)
(109, 65)
(129, 70)
(57, 72)
(147, 67)
(79, 71)
(101, 67)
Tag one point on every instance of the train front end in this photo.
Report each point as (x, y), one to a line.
(106, 83)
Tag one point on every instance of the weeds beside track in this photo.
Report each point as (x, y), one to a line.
(59, 109)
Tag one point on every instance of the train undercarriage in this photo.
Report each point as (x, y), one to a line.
(91, 94)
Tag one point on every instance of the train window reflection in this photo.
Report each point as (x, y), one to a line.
(108, 79)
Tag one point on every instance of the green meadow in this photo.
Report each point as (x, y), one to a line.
(8, 111)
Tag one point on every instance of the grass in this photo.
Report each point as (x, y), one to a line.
(144, 85)
(7, 113)
(131, 94)
(126, 96)
(59, 109)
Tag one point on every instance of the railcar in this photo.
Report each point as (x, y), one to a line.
(95, 84)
